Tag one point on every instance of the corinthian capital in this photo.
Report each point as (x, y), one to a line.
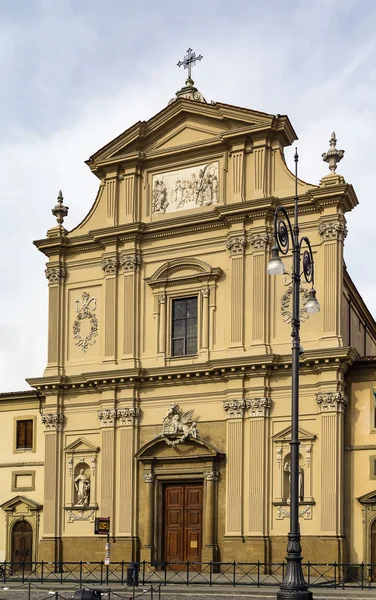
(260, 241)
(128, 416)
(259, 407)
(110, 265)
(54, 275)
(53, 421)
(234, 408)
(333, 230)
(107, 417)
(130, 262)
(332, 401)
(236, 245)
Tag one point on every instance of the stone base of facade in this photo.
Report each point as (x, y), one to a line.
(315, 549)
(75, 549)
(147, 554)
(244, 549)
(247, 549)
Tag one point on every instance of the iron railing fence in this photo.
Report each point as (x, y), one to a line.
(258, 574)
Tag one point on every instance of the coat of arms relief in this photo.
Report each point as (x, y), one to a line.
(178, 426)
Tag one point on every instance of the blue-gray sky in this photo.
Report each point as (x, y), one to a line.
(76, 73)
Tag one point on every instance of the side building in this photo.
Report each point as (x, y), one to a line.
(165, 403)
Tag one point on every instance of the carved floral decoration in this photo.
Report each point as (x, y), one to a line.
(178, 426)
(85, 310)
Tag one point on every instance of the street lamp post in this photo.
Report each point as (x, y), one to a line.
(294, 586)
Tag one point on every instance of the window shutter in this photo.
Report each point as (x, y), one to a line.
(29, 434)
(24, 434)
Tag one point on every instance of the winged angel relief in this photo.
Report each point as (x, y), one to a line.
(85, 310)
(178, 426)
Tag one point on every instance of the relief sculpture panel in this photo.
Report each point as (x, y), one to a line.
(185, 188)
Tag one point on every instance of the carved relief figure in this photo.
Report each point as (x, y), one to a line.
(178, 425)
(287, 468)
(186, 188)
(82, 487)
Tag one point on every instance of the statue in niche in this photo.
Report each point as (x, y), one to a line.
(82, 487)
(287, 468)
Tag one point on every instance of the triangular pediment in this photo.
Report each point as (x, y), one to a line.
(369, 498)
(80, 445)
(184, 135)
(285, 435)
(182, 124)
(13, 503)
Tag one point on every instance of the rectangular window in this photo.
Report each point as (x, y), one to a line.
(24, 435)
(184, 326)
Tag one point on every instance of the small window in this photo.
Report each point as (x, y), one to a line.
(24, 434)
(184, 326)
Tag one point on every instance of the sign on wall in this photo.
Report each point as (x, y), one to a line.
(102, 525)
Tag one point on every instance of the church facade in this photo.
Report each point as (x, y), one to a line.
(165, 402)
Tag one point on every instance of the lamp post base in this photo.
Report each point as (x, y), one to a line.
(294, 593)
(294, 586)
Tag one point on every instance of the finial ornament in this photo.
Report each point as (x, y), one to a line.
(59, 210)
(333, 156)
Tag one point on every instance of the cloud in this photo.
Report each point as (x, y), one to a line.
(74, 77)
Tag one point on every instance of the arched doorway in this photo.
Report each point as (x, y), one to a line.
(373, 550)
(22, 545)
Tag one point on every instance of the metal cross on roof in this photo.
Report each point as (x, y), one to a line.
(189, 60)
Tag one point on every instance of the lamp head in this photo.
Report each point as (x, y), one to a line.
(275, 265)
(312, 304)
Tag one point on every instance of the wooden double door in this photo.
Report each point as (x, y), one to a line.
(183, 522)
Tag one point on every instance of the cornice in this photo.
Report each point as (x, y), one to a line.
(221, 216)
(342, 194)
(225, 369)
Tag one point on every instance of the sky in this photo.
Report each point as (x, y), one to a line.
(76, 73)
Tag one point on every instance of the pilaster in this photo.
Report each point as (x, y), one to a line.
(209, 546)
(333, 232)
(236, 247)
(260, 307)
(162, 300)
(53, 423)
(256, 503)
(234, 467)
(107, 418)
(332, 407)
(147, 550)
(55, 274)
(131, 264)
(127, 422)
(110, 267)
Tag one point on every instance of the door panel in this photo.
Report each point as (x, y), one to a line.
(22, 544)
(373, 551)
(174, 500)
(193, 522)
(183, 523)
